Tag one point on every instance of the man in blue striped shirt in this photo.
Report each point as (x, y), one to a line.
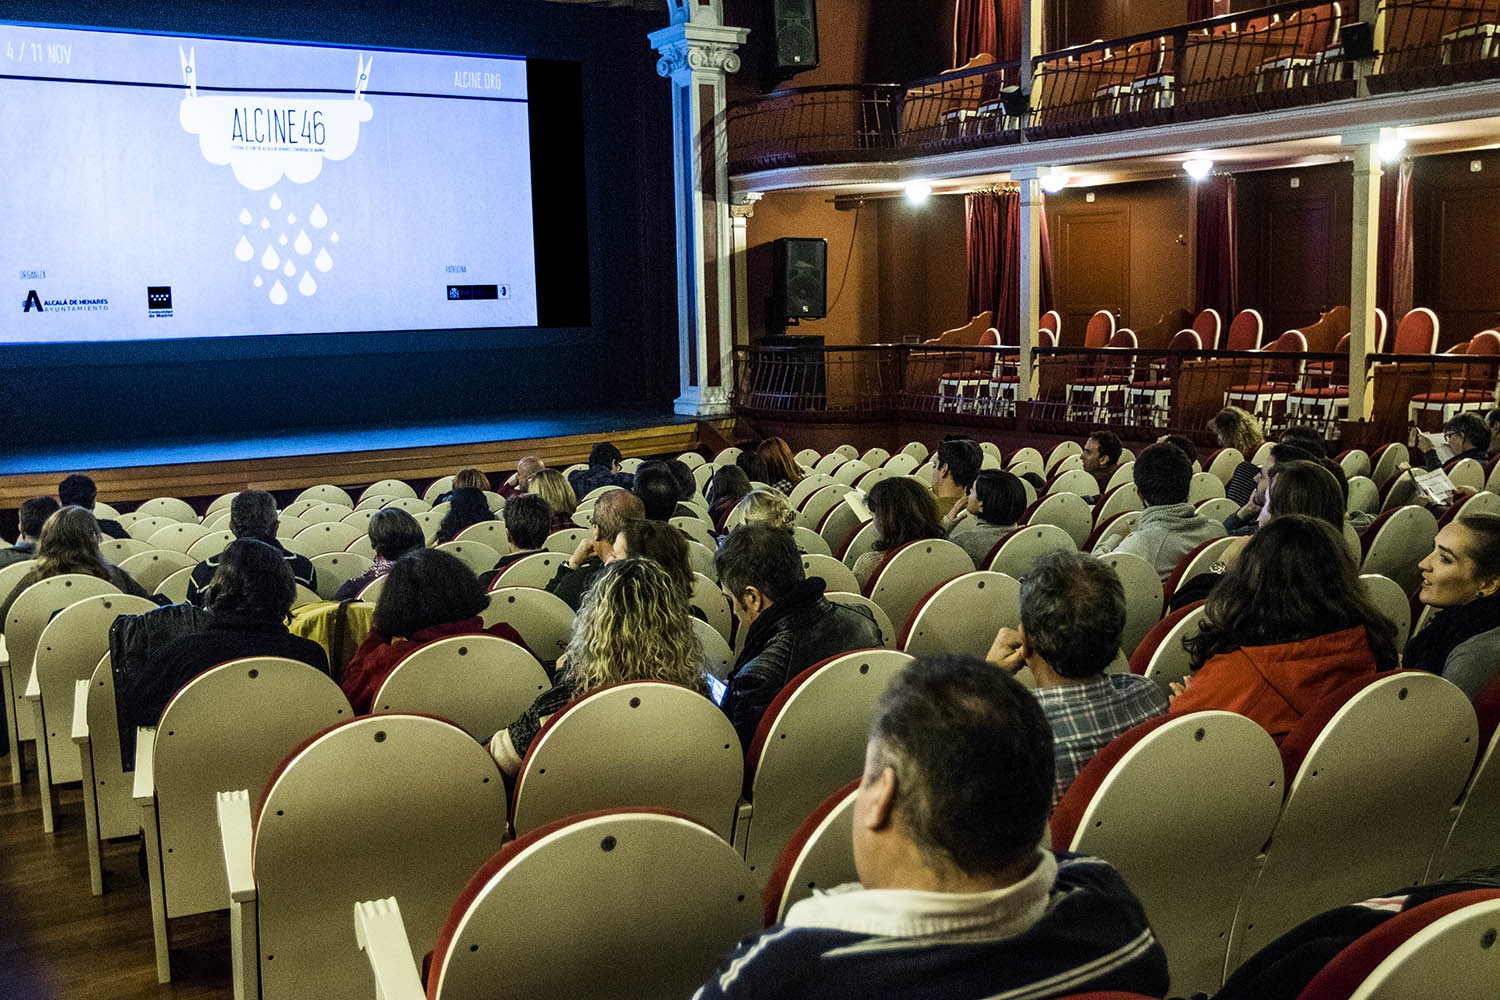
(956, 899)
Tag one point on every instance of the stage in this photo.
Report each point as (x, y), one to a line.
(190, 467)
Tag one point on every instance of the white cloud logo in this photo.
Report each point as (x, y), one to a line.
(265, 137)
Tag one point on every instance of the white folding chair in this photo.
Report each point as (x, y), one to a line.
(544, 620)
(912, 570)
(963, 615)
(1021, 547)
(334, 569)
(534, 571)
(478, 556)
(480, 683)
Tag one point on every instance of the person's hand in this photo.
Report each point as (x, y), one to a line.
(1008, 650)
(957, 512)
(514, 480)
(1424, 443)
(1178, 689)
(581, 553)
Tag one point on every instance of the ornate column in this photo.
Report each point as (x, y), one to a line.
(697, 50)
(1030, 297)
(1363, 261)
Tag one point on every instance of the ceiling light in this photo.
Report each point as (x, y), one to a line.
(1390, 148)
(1054, 180)
(918, 191)
(1198, 168)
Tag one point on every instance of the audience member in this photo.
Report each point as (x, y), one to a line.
(954, 465)
(753, 467)
(467, 507)
(1184, 444)
(1298, 487)
(68, 542)
(1309, 439)
(996, 502)
(1101, 457)
(393, 533)
(252, 514)
(788, 624)
(662, 544)
(782, 470)
(726, 489)
(464, 479)
(903, 512)
(1245, 520)
(518, 482)
(32, 515)
(611, 512)
(763, 505)
(528, 522)
(1238, 429)
(1461, 580)
(1072, 616)
(1492, 421)
(250, 597)
(687, 486)
(1468, 436)
(78, 490)
(603, 470)
(1169, 528)
(550, 485)
(428, 595)
(956, 899)
(658, 490)
(1289, 623)
(632, 626)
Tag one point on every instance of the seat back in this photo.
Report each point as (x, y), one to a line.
(1389, 799)
(1197, 561)
(1100, 328)
(834, 573)
(1119, 499)
(385, 805)
(1223, 463)
(1417, 333)
(1207, 325)
(479, 557)
(532, 571)
(149, 569)
(544, 620)
(819, 855)
(1143, 597)
(641, 743)
(1470, 842)
(479, 683)
(620, 903)
(227, 728)
(1075, 481)
(888, 632)
(912, 570)
(177, 537)
(718, 658)
(566, 540)
(1068, 511)
(810, 741)
(1399, 543)
(1160, 655)
(963, 615)
(334, 569)
(1442, 948)
(67, 652)
(1387, 596)
(1209, 784)
(114, 806)
(1245, 331)
(28, 615)
(863, 540)
(708, 598)
(1019, 550)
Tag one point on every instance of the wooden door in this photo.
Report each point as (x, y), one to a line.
(1091, 264)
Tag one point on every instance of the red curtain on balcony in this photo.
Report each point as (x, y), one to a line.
(994, 238)
(1010, 30)
(1201, 10)
(1217, 268)
(973, 29)
(1394, 268)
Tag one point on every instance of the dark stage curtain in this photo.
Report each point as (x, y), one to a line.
(994, 234)
(973, 29)
(1217, 268)
(1394, 267)
(1010, 30)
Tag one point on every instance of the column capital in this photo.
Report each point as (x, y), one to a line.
(689, 48)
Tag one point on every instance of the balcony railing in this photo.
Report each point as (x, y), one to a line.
(1273, 57)
(1144, 392)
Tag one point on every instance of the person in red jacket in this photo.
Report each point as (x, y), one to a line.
(1288, 623)
(428, 595)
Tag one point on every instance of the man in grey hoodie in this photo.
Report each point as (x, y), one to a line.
(1169, 528)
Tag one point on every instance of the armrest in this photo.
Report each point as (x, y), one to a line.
(80, 712)
(382, 936)
(144, 790)
(4, 652)
(237, 834)
(33, 690)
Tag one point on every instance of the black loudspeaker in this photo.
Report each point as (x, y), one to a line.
(794, 26)
(1014, 101)
(799, 278)
(1358, 40)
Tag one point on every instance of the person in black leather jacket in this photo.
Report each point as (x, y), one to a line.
(790, 624)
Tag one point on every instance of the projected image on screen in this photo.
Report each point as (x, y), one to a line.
(160, 187)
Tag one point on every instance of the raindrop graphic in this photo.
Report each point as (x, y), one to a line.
(275, 201)
(278, 294)
(289, 269)
(303, 244)
(282, 240)
(307, 285)
(258, 281)
(269, 260)
(333, 238)
(243, 251)
(318, 218)
(323, 262)
(245, 217)
(291, 218)
(265, 223)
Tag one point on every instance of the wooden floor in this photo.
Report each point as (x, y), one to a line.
(59, 942)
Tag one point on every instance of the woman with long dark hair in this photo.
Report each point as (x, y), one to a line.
(467, 506)
(1289, 623)
(904, 511)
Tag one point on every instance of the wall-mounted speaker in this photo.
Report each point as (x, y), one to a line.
(799, 278)
(794, 27)
(1358, 40)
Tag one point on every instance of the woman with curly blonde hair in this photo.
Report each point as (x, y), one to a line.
(762, 505)
(552, 486)
(632, 626)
